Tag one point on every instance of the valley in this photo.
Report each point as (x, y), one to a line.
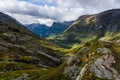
(89, 49)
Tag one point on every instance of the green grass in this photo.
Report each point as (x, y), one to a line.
(36, 74)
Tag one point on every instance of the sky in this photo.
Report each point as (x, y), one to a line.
(49, 11)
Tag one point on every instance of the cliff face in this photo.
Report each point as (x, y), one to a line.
(102, 26)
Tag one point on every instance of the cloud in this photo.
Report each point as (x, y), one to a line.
(25, 8)
(47, 11)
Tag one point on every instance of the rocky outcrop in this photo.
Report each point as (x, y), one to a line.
(73, 60)
(103, 50)
(72, 69)
(102, 68)
(82, 72)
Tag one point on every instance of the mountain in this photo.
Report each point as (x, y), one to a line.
(39, 29)
(101, 26)
(20, 45)
(46, 31)
(25, 56)
(97, 55)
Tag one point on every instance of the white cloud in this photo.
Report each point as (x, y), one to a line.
(47, 11)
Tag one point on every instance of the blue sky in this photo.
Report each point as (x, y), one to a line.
(48, 11)
(40, 3)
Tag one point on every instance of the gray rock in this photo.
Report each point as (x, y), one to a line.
(7, 45)
(23, 77)
(10, 36)
(49, 56)
(72, 71)
(20, 47)
(73, 59)
(24, 39)
(102, 68)
(3, 48)
(84, 49)
(81, 73)
(117, 42)
(104, 50)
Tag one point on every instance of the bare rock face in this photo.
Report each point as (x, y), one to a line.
(103, 69)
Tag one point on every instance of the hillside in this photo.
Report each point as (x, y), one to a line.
(46, 31)
(21, 45)
(94, 61)
(102, 26)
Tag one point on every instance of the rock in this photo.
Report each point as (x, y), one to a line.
(20, 47)
(25, 39)
(7, 45)
(102, 68)
(73, 59)
(104, 50)
(23, 77)
(117, 42)
(9, 36)
(84, 49)
(49, 56)
(81, 73)
(72, 71)
(3, 48)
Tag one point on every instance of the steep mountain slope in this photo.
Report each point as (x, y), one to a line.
(102, 26)
(59, 27)
(45, 31)
(39, 29)
(25, 56)
(19, 44)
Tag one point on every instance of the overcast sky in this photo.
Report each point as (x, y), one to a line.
(48, 11)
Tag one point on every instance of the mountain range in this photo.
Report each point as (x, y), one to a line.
(102, 26)
(89, 49)
(47, 31)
